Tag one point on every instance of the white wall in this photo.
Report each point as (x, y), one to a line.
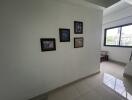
(114, 19)
(128, 69)
(25, 71)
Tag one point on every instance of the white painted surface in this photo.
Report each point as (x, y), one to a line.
(103, 3)
(128, 69)
(121, 5)
(124, 16)
(25, 71)
(128, 1)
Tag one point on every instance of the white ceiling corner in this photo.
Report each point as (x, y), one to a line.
(119, 6)
(103, 3)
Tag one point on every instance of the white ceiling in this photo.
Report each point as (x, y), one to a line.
(114, 5)
(85, 3)
(103, 3)
(119, 6)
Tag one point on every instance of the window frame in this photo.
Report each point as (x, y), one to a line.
(120, 26)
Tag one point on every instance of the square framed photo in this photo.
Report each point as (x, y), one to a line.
(78, 42)
(48, 44)
(78, 27)
(64, 35)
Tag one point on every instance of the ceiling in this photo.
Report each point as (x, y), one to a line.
(103, 3)
(117, 7)
(108, 6)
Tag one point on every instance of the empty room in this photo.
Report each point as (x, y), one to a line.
(66, 50)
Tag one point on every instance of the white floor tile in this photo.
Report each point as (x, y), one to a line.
(98, 87)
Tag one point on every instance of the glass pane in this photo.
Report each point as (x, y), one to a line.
(126, 36)
(112, 36)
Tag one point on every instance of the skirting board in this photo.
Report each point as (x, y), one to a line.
(45, 95)
(118, 62)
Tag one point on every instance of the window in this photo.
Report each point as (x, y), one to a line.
(120, 36)
(126, 36)
(112, 36)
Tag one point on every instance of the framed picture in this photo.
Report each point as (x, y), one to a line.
(78, 42)
(48, 44)
(78, 27)
(64, 35)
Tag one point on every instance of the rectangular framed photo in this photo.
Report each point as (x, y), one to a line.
(78, 27)
(48, 44)
(64, 35)
(78, 42)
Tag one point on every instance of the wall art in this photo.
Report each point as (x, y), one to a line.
(48, 44)
(78, 27)
(78, 42)
(64, 35)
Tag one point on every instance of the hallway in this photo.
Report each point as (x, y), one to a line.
(108, 84)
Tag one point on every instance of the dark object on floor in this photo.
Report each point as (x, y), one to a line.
(104, 56)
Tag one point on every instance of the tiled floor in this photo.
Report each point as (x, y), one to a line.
(107, 85)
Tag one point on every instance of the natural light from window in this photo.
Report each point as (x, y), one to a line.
(126, 36)
(119, 36)
(112, 36)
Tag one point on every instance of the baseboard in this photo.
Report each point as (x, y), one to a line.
(118, 62)
(45, 95)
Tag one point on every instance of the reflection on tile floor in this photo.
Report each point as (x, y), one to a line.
(117, 85)
(107, 85)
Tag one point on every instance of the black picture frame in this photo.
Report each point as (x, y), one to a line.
(78, 27)
(64, 35)
(78, 42)
(48, 44)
